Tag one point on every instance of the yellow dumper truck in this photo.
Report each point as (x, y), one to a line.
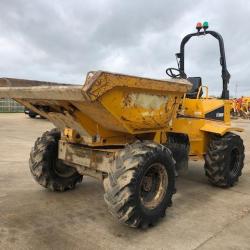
(131, 133)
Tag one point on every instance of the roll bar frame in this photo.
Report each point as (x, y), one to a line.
(225, 74)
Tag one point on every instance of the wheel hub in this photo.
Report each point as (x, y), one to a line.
(147, 183)
(63, 170)
(153, 186)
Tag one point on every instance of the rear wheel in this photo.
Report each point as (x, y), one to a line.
(224, 160)
(141, 186)
(47, 169)
(179, 146)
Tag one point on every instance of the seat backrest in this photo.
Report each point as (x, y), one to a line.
(196, 81)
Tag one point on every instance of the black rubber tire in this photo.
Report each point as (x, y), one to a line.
(179, 146)
(123, 184)
(32, 114)
(44, 164)
(224, 160)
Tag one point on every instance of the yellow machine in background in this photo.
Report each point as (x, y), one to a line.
(246, 104)
(133, 134)
(240, 107)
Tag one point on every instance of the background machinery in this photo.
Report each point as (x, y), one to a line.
(240, 107)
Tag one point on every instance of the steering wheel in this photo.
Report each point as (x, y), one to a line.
(171, 72)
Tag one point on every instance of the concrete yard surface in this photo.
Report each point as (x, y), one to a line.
(31, 217)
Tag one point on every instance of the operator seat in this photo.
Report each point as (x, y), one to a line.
(196, 81)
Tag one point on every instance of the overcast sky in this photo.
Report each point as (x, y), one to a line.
(62, 40)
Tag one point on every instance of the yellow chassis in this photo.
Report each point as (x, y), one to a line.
(191, 121)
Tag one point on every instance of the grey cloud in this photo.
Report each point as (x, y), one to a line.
(61, 40)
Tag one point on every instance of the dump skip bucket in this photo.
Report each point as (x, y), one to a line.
(107, 103)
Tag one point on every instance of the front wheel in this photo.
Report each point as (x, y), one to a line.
(140, 188)
(224, 160)
(47, 169)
